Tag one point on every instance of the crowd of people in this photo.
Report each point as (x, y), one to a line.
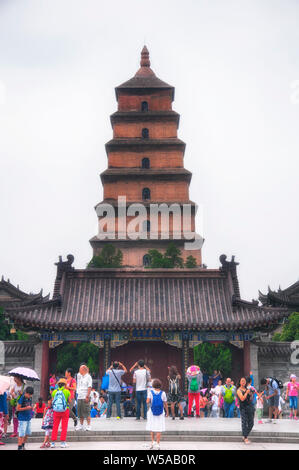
(73, 396)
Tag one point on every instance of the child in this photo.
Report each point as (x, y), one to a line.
(102, 408)
(260, 407)
(292, 393)
(94, 412)
(39, 408)
(47, 423)
(203, 401)
(24, 409)
(215, 403)
(156, 413)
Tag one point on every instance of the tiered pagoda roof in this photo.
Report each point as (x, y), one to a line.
(120, 299)
(288, 298)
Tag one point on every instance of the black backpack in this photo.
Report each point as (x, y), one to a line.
(279, 382)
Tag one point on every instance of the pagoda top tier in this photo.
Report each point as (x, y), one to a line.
(144, 78)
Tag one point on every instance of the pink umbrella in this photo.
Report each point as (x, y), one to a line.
(4, 383)
(193, 370)
(25, 373)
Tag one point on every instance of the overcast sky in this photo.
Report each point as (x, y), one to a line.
(235, 67)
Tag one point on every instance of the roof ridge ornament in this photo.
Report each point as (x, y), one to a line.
(145, 64)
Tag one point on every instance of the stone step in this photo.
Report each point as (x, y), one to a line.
(167, 436)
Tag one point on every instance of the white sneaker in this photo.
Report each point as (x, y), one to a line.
(157, 446)
(79, 427)
(88, 428)
(63, 444)
(52, 445)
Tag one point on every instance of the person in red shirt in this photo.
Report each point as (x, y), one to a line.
(39, 408)
(71, 385)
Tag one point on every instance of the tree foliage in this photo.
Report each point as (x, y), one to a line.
(290, 330)
(109, 257)
(210, 357)
(5, 334)
(170, 259)
(191, 262)
(74, 354)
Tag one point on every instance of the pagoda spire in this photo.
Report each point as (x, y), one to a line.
(145, 69)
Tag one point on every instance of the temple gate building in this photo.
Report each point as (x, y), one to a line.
(135, 311)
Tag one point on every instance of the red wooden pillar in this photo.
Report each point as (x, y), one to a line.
(45, 370)
(246, 358)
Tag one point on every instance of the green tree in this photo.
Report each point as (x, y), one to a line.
(290, 330)
(212, 357)
(109, 257)
(5, 334)
(72, 355)
(170, 259)
(190, 262)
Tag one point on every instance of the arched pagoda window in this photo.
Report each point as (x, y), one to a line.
(145, 133)
(146, 261)
(147, 226)
(144, 106)
(145, 163)
(146, 194)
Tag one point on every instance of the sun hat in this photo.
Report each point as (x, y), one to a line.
(293, 376)
(62, 381)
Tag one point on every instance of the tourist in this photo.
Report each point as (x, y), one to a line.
(245, 394)
(15, 393)
(71, 386)
(115, 372)
(215, 409)
(228, 393)
(129, 407)
(194, 385)
(94, 412)
(260, 407)
(52, 382)
(292, 394)
(214, 379)
(156, 413)
(39, 408)
(3, 415)
(61, 399)
(272, 394)
(102, 408)
(25, 412)
(174, 393)
(141, 377)
(203, 402)
(47, 423)
(84, 386)
(94, 397)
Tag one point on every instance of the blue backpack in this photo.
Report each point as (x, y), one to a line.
(105, 382)
(157, 404)
(59, 402)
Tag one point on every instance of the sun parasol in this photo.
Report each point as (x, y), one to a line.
(25, 373)
(4, 383)
(193, 370)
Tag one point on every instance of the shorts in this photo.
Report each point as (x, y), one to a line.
(24, 428)
(274, 401)
(174, 398)
(83, 409)
(294, 402)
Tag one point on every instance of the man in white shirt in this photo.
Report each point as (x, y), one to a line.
(84, 386)
(141, 377)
